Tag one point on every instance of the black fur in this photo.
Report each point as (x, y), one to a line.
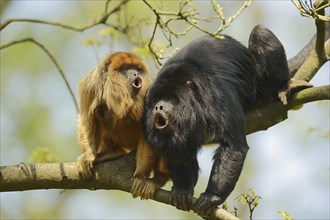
(271, 63)
(200, 97)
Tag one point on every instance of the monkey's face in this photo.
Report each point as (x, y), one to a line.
(124, 80)
(162, 114)
(133, 76)
(173, 120)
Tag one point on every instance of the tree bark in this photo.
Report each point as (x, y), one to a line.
(110, 175)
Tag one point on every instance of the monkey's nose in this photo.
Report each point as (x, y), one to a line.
(137, 82)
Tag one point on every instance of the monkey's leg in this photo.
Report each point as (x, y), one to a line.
(184, 180)
(145, 162)
(109, 152)
(227, 167)
(292, 86)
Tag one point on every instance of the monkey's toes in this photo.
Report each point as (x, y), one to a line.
(181, 199)
(292, 86)
(138, 186)
(206, 203)
(283, 97)
(149, 189)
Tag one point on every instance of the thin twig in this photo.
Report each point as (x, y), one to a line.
(311, 11)
(101, 20)
(6, 45)
(190, 17)
(227, 22)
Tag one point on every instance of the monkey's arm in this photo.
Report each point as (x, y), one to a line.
(227, 167)
(87, 127)
(184, 177)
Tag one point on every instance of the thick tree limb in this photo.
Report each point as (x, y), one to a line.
(318, 56)
(116, 174)
(275, 112)
(295, 62)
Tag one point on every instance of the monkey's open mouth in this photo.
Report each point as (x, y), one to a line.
(161, 121)
(137, 82)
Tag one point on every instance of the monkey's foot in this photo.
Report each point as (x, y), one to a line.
(146, 187)
(138, 185)
(206, 203)
(293, 85)
(181, 199)
(85, 167)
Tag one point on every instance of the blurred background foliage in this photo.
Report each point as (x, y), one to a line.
(288, 165)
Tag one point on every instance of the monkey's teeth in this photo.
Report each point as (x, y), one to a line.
(137, 83)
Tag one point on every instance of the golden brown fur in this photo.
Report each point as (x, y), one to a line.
(110, 110)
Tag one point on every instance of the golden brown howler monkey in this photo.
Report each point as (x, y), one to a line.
(110, 109)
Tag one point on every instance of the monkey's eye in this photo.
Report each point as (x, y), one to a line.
(124, 68)
(139, 69)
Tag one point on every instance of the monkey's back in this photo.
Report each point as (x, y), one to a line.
(212, 80)
(219, 64)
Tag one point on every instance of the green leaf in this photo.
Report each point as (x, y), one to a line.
(285, 215)
(91, 41)
(225, 205)
(111, 32)
(44, 155)
(243, 200)
(143, 51)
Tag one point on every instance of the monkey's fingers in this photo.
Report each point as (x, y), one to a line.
(85, 167)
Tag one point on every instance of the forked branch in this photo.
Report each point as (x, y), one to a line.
(50, 55)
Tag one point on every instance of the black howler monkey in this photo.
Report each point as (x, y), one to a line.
(199, 97)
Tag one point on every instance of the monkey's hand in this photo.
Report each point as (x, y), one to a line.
(181, 199)
(206, 203)
(85, 165)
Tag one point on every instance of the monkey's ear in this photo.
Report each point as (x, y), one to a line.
(104, 65)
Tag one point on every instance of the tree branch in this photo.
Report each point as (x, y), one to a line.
(116, 175)
(318, 56)
(111, 175)
(101, 20)
(50, 55)
(275, 112)
(295, 62)
(307, 9)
